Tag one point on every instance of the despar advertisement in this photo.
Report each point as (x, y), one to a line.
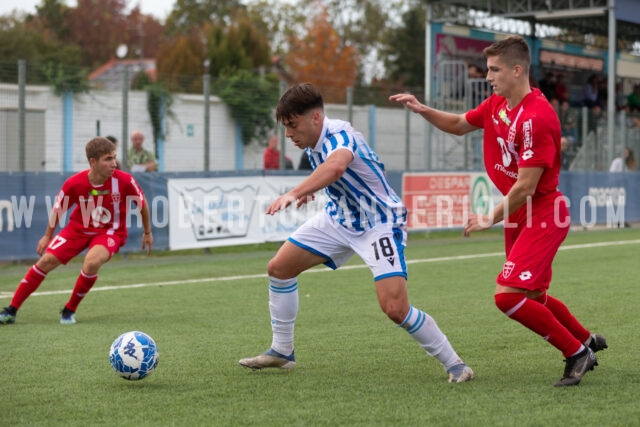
(445, 200)
(208, 212)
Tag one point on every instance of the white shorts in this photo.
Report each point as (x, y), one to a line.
(381, 248)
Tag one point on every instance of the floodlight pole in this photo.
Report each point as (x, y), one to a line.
(611, 85)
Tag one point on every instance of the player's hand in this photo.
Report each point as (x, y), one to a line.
(304, 200)
(147, 242)
(409, 101)
(42, 244)
(281, 203)
(476, 223)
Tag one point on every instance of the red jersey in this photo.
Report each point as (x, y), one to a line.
(102, 208)
(525, 136)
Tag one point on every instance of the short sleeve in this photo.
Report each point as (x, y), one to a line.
(475, 117)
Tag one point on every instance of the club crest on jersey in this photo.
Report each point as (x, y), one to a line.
(503, 116)
(507, 269)
(115, 197)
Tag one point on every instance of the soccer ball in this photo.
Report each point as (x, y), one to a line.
(134, 355)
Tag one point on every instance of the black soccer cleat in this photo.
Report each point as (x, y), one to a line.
(8, 316)
(597, 342)
(576, 366)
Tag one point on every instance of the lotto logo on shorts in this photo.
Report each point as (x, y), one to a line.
(111, 242)
(507, 269)
(525, 275)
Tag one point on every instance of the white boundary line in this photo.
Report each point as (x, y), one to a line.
(319, 270)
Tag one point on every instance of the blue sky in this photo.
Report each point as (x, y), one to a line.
(158, 8)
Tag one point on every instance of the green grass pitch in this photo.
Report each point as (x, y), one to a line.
(355, 368)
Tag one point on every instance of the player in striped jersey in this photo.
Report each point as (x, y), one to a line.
(363, 216)
(102, 197)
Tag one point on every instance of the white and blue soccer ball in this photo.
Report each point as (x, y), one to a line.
(134, 355)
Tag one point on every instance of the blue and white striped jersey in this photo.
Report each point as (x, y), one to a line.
(362, 197)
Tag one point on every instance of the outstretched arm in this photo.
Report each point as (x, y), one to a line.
(447, 122)
(324, 175)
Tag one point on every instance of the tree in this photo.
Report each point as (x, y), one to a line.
(179, 56)
(405, 49)
(251, 100)
(54, 18)
(321, 58)
(189, 14)
(277, 22)
(19, 40)
(144, 33)
(237, 46)
(362, 24)
(99, 26)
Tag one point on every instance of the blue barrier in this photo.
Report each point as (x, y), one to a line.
(25, 200)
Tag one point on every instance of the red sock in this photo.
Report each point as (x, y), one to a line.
(80, 290)
(539, 319)
(564, 316)
(27, 286)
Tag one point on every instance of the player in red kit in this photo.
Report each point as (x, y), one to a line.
(522, 157)
(102, 196)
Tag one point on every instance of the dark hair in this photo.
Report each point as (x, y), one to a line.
(112, 139)
(298, 100)
(98, 147)
(514, 50)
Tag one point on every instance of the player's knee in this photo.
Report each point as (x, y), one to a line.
(507, 301)
(47, 262)
(275, 269)
(395, 312)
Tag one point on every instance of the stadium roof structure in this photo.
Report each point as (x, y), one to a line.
(612, 25)
(588, 19)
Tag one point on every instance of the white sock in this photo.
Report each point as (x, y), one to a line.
(283, 306)
(424, 329)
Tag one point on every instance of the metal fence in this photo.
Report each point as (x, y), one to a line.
(44, 128)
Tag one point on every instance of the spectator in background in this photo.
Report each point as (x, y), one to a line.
(568, 121)
(271, 156)
(305, 163)
(590, 92)
(564, 147)
(633, 100)
(621, 99)
(139, 159)
(562, 92)
(625, 164)
(114, 140)
(548, 85)
(475, 72)
(603, 93)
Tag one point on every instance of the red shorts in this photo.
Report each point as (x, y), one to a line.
(71, 241)
(532, 245)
